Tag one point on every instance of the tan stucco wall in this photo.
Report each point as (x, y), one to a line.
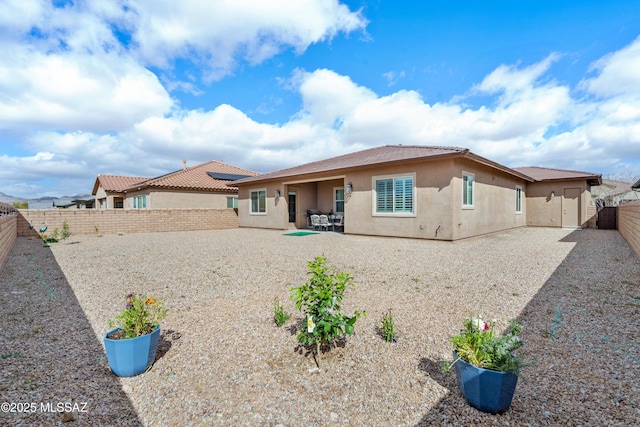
(494, 201)
(167, 199)
(276, 215)
(438, 202)
(629, 225)
(546, 211)
(432, 202)
(103, 195)
(325, 194)
(306, 194)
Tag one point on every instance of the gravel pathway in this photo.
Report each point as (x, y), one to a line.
(222, 360)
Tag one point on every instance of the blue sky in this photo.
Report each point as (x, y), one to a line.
(131, 87)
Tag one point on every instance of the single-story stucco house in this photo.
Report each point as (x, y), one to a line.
(109, 190)
(204, 186)
(445, 193)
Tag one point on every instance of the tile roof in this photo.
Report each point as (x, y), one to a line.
(196, 178)
(616, 187)
(543, 174)
(374, 157)
(116, 183)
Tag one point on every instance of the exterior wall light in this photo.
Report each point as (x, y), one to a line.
(553, 194)
(277, 194)
(349, 188)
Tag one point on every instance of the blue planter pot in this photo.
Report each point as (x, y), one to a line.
(486, 390)
(131, 356)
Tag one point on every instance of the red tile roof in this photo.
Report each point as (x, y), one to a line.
(378, 156)
(544, 174)
(116, 183)
(196, 178)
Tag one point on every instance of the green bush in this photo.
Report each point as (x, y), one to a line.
(65, 230)
(319, 300)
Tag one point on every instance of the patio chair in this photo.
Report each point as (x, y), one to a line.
(315, 221)
(338, 222)
(324, 222)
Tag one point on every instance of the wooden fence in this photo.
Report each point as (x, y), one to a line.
(629, 225)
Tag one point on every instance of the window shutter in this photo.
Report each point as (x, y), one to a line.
(384, 195)
(262, 200)
(403, 194)
(467, 190)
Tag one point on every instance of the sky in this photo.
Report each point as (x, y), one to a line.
(133, 87)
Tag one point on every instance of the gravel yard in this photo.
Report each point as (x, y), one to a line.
(222, 360)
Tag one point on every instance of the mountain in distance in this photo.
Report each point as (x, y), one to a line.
(43, 202)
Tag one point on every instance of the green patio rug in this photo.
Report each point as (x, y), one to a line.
(301, 233)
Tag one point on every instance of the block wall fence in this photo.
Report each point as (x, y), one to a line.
(85, 221)
(95, 221)
(629, 225)
(592, 215)
(8, 234)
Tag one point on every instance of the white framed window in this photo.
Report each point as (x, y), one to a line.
(232, 202)
(140, 202)
(518, 199)
(338, 200)
(259, 201)
(394, 195)
(468, 190)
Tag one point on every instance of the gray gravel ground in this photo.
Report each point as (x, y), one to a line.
(222, 360)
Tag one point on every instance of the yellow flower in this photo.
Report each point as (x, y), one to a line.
(151, 300)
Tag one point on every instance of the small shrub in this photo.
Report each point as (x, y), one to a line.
(319, 300)
(280, 316)
(387, 328)
(65, 230)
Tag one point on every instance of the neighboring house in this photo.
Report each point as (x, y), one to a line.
(84, 203)
(614, 193)
(201, 186)
(109, 190)
(426, 192)
(558, 197)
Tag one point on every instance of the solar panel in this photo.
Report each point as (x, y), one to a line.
(226, 176)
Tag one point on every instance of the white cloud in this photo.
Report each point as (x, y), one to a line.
(393, 77)
(17, 16)
(87, 105)
(64, 91)
(617, 73)
(221, 33)
(73, 75)
(327, 96)
(510, 79)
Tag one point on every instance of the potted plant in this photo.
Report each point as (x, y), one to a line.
(131, 346)
(486, 368)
